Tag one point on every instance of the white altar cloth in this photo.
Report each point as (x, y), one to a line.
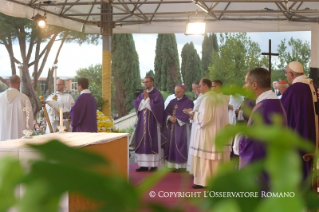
(71, 139)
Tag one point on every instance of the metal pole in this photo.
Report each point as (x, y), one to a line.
(106, 32)
(270, 57)
(55, 68)
(21, 74)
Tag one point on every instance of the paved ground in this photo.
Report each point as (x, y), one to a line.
(132, 158)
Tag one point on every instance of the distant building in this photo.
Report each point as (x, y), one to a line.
(69, 85)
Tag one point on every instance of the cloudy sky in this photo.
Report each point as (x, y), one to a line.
(73, 56)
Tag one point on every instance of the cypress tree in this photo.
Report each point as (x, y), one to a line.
(125, 72)
(150, 74)
(209, 45)
(191, 65)
(166, 63)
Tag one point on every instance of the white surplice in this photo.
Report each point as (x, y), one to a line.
(235, 101)
(168, 100)
(197, 103)
(12, 117)
(64, 101)
(211, 117)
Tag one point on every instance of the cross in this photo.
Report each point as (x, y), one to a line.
(27, 109)
(269, 55)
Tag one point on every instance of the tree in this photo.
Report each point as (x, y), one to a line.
(3, 87)
(300, 51)
(150, 74)
(236, 56)
(166, 64)
(125, 72)
(94, 75)
(35, 47)
(191, 65)
(209, 45)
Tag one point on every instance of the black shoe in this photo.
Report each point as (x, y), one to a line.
(153, 169)
(197, 186)
(142, 169)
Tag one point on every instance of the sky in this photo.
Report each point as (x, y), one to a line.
(73, 56)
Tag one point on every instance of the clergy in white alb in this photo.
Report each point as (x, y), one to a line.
(12, 117)
(235, 102)
(191, 113)
(211, 117)
(64, 100)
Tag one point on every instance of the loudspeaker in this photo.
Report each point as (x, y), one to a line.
(313, 74)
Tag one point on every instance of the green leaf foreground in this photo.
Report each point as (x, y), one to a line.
(62, 168)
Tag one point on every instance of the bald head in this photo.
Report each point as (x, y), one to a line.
(14, 81)
(60, 85)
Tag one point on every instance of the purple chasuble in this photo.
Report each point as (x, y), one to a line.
(146, 137)
(248, 105)
(83, 114)
(299, 106)
(252, 150)
(176, 148)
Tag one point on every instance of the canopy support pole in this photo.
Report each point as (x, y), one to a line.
(106, 32)
(314, 64)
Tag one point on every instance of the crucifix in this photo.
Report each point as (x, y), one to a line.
(269, 55)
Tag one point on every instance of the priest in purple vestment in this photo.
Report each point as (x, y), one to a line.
(149, 106)
(267, 104)
(83, 113)
(299, 100)
(178, 130)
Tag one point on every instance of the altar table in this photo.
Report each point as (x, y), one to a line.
(113, 146)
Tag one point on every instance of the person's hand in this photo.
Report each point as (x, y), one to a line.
(172, 119)
(145, 94)
(230, 107)
(187, 110)
(237, 111)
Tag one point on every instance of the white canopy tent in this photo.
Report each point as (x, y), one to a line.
(171, 16)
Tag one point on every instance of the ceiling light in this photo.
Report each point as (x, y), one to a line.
(40, 20)
(196, 28)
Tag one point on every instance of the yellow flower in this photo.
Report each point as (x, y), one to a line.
(105, 123)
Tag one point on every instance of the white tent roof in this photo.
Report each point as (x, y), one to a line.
(171, 16)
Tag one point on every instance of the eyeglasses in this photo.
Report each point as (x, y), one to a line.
(146, 82)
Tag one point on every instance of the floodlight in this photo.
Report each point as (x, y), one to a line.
(40, 20)
(196, 28)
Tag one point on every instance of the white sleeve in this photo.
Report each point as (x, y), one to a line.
(145, 103)
(181, 123)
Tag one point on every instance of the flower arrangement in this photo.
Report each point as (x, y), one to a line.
(105, 123)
